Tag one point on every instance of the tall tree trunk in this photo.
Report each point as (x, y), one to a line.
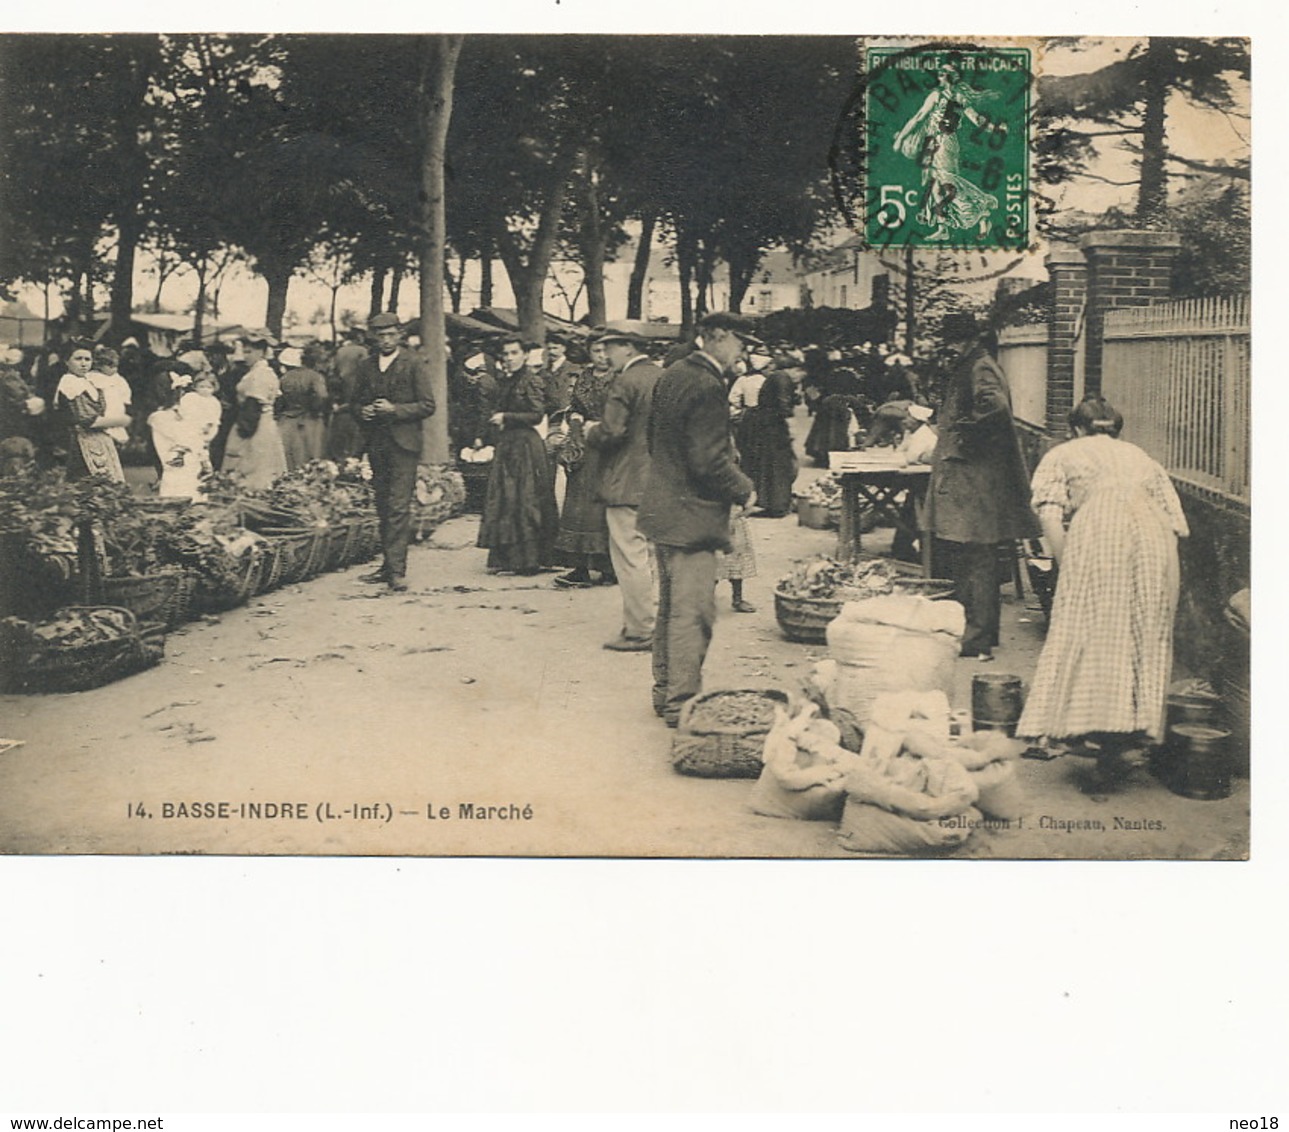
(742, 264)
(438, 78)
(529, 292)
(334, 292)
(395, 285)
(1153, 193)
(377, 292)
(703, 279)
(528, 274)
(685, 269)
(592, 241)
(121, 303)
(640, 268)
(485, 278)
(279, 281)
(199, 311)
(144, 59)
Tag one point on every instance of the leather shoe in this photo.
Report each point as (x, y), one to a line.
(629, 644)
(375, 578)
(398, 585)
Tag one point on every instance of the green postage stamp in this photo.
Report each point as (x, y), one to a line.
(946, 138)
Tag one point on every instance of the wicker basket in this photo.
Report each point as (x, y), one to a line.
(805, 619)
(211, 598)
(298, 552)
(159, 598)
(712, 751)
(31, 666)
(367, 539)
(475, 477)
(334, 541)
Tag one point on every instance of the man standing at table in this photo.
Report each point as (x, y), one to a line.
(979, 493)
(392, 396)
(685, 510)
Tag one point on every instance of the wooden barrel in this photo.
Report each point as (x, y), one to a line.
(996, 702)
(1200, 765)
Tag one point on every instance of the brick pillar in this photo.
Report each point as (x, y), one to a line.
(1068, 271)
(1125, 269)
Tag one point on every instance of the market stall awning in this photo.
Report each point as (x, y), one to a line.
(507, 319)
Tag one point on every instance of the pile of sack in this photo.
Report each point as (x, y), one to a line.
(911, 787)
(873, 745)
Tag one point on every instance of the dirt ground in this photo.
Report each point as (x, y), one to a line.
(370, 720)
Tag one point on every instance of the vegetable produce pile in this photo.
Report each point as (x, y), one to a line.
(71, 628)
(840, 581)
(826, 491)
(315, 495)
(734, 711)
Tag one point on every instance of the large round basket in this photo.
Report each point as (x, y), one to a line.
(211, 597)
(805, 619)
(292, 556)
(160, 598)
(707, 747)
(27, 665)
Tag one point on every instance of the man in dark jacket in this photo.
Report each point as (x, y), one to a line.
(392, 396)
(622, 440)
(685, 510)
(979, 492)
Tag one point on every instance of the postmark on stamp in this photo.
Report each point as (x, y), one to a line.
(948, 149)
(942, 146)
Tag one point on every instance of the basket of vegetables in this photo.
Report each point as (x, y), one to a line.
(291, 555)
(812, 594)
(161, 597)
(79, 648)
(722, 734)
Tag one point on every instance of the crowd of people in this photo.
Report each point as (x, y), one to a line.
(632, 460)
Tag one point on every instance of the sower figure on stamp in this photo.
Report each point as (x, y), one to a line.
(621, 438)
(392, 396)
(693, 479)
(930, 138)
(979, 493)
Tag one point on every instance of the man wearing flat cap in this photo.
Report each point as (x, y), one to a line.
(685, 509)
(621, 438)
(392, 396)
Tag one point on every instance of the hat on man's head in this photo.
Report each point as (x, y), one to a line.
(383, 321)
(261, 338)
(738, 324)
(292, 357)
(959, 326)
(624, 330)
(921, 412)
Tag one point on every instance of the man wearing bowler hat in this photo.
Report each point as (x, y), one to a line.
(979, 492)
(392, 396)
(685, 509)
(620, 436)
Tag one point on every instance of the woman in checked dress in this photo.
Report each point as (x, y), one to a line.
(1111, 518)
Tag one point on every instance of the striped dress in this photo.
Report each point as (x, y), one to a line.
(1108, 656)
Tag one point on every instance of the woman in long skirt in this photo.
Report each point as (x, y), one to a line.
(766, 446)
(254, 448)
(519, 514)
(583, 540)
(1111, 517)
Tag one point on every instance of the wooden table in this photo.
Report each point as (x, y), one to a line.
(883, 489)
